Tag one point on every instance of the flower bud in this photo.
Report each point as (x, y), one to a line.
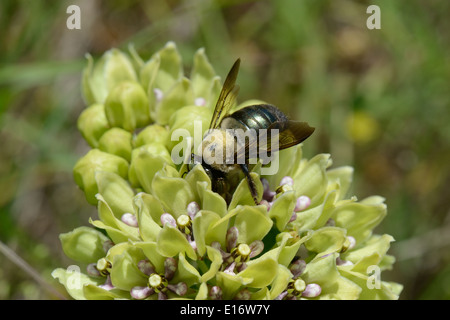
(312, 290)
(96, 160)
(92, 124)
(302, 203)
(113, 68)
(116, 141)
(127, 106)
(152, 133)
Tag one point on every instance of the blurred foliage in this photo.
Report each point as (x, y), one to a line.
(378, 98)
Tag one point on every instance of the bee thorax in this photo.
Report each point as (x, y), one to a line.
(218, 149)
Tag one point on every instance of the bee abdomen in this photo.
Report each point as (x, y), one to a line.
(253, 117)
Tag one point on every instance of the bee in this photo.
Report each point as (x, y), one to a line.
(225, 154)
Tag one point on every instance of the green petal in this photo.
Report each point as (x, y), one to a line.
(190, 121)
(370, 292)
(153, 133)
(261, 294)
(280, 281)
(242, 194)
(288, 159)
(124, 273)
(282, 209)
(216, 262)
(116, 141)
(83, 244)
(343, 176)
(289, 250)
(170, 68)
(180, 95)
(74, 281)
(359, 218)
(259, 272)
(211, 201)
(171, 242)
(116, 192)
(316, 217)
(148, 211)
(127, 106)
(230, 284)
(202, 74)
(87, 88)
(150, 250)
(145, 162)
(323, 271)
(186, 272)
(96, 160)
(92, 124)
(202, 293)
(116, 229)
(167, 189)
(113, 68)
(312, 180)
(92, 292)
(252, 223)
(147, 76)
(326, 240)
(370, 254)
(204, 231)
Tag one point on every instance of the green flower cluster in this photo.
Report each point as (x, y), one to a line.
(162, 233)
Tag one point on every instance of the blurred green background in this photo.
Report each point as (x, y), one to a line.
(378, 98)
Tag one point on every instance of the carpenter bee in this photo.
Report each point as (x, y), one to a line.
(225, 153)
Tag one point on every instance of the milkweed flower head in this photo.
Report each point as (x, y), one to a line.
(161, 232)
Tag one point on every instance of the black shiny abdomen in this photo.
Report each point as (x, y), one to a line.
(255, 117)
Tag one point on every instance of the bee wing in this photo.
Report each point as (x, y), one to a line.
(289, 133)
(227, 96)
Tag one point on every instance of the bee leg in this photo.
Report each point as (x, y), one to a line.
(250, 182)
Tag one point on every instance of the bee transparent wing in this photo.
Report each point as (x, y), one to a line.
(288, 133)
(227, 96)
